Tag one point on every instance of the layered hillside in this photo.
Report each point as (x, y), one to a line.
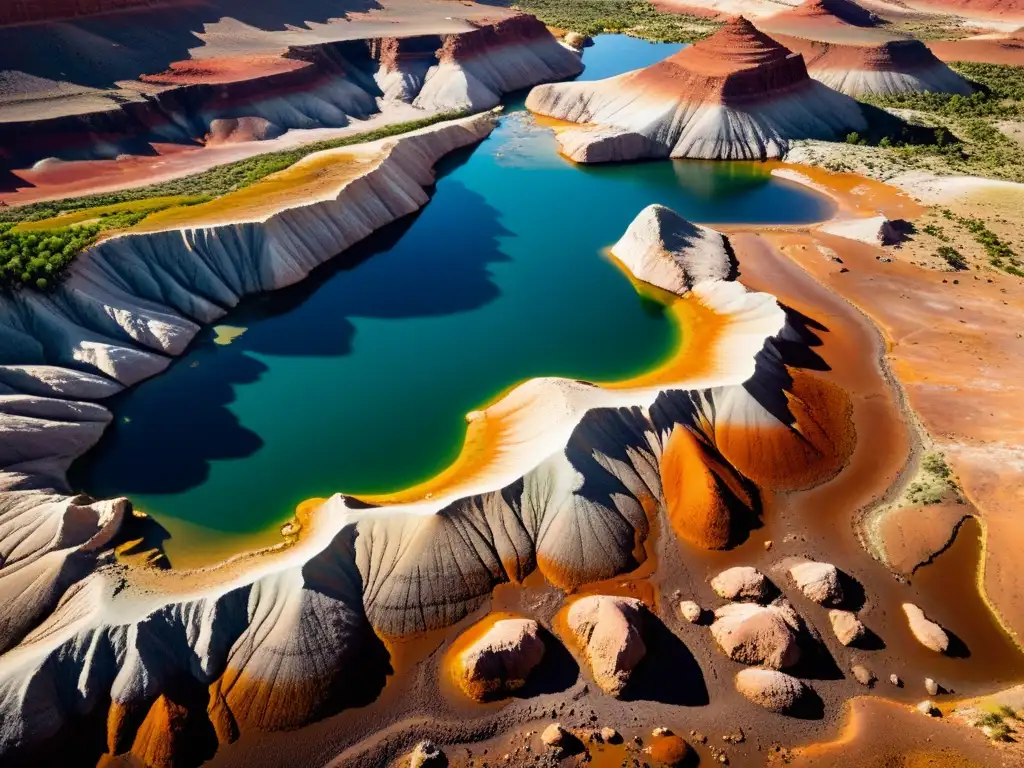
(256, 89)
(895, 66)
(737, 95)
(845, 49)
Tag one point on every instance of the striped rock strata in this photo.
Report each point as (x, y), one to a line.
(558, 475)
(323, 85)
(737, 95)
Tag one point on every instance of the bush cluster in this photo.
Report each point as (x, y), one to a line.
(38, 258)
(633, 17)
(216, 181)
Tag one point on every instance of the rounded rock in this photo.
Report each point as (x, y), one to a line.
(862, 675)
(555, 736)
(775, 691)
(741, 583)
(928, 708)
(846, 626)
(758, 635)
(931, 686)
(611, 736)
(609, 632)
(500, 661)
(819, 582)
(928, 633)
(691, 611)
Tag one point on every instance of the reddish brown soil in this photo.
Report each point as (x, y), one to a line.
(1007, 50)
(13, 12)
(217, 71)
(911, 536)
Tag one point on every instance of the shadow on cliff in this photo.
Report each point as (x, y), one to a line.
(169, 429)
(100, 50)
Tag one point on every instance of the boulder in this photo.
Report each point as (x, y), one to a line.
(862, 675)
(662, 248)
(847, 627)
(669, 750)
(555, 737)
(691, 611)
(932, 687)
(577, 40)
(742, 583)
(775, 691)
(427, 755)
(876, 230)
(819, 582)
(758, 635)
(500, 660)
(609, 631)
(928, 708)
(927, 632)
(610, 736)
(895, 680)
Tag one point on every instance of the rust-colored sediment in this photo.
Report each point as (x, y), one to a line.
(1007, 50)
(876, 734)
(956, 349)
(700, 491)
(911, 536)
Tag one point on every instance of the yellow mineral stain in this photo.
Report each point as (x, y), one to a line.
(225, 334)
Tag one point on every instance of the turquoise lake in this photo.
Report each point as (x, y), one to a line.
(358, 379)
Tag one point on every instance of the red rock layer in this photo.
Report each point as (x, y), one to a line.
(14, 12)
(515, 29)
(1008, 50)
(222, 70)
(831, 13)
(737, 64)
(892, 56)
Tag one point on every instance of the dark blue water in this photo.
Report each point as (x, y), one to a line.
(359, 378)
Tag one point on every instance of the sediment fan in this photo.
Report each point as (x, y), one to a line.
(273, 639)
(737, 95)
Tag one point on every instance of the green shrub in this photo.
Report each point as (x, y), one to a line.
(634, 17)
(35, 258)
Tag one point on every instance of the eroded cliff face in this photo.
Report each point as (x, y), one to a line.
(325, 85)
(737, 95)
(561, 476)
